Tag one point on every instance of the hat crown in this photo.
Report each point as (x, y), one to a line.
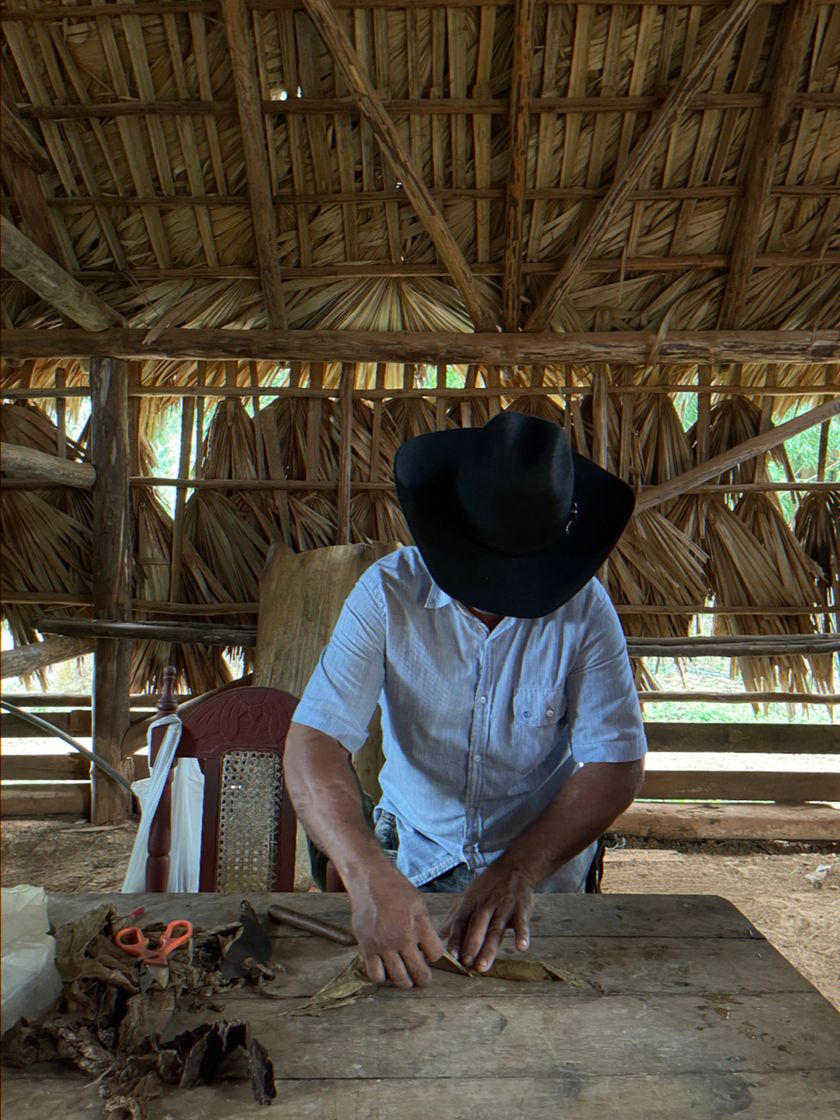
(515, 491)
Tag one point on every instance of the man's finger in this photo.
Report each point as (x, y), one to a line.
(522, 928)
(375, 969)
(490, 947)
(397, 972)
(476, 934)
(417, 968)
(431, 945)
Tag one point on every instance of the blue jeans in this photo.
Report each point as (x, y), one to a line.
(458, 878)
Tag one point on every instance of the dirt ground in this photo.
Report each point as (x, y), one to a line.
(766, 881)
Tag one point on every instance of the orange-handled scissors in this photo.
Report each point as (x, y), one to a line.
(132, 940)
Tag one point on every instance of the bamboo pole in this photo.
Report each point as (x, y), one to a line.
(345, 456)
(176, 557)
(459, 348)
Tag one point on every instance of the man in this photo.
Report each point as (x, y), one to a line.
(511, 729)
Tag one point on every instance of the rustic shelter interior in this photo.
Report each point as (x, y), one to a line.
(315, 229)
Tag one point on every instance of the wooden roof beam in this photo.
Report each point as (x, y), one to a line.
(668, 115)
(331, 30)
(23, 259)
(252, 126)
(18, 138)
(491, 348)
(523, 34)
(794, 40)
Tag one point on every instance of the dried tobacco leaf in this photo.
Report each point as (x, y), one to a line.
(350, 983)
(252, 946)
(73, 938)
(201, 1051)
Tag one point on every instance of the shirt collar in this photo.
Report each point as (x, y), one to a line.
(437, 597)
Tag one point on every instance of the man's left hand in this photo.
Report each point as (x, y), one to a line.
(499, 899)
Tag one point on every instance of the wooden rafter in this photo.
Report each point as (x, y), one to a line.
(491, 348)
(18, 138)
(330, 28)
(518, 166)
(24, 159)
(235, 19)
(611, 205)
(794, 40)
(49, 280)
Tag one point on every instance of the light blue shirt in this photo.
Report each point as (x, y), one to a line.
(480, 728)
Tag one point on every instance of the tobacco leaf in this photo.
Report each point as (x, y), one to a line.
(24, 1044)
(251, 945)
(73, 938)
(146, 1018)
(201, 1051)
(344, 988)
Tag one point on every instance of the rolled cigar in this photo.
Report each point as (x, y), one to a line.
(308, 924)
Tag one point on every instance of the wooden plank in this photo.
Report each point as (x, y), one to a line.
(607, 211)
(331, 30)
(523, 32)
(730, 822)
(741, 453)
(572, 1095)
(252, 131)
(741, 785)
(794, 41)
(37, 802)
(747, 738)
(15, 459)
(551, 348)
(41, 768)
(38, 655)
(555, 915)
(52, 283)
(112, 563)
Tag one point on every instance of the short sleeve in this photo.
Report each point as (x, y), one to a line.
(602, 709)
(343, 692)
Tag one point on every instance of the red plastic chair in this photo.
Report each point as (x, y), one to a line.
(249, 826)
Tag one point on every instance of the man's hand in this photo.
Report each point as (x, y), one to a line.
(394, 932)
(499, 899)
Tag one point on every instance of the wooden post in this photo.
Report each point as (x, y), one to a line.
(345, 455)
(112, 560)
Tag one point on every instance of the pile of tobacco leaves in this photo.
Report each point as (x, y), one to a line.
(112, 1019)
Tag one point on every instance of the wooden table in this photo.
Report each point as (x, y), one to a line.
(694, 1015)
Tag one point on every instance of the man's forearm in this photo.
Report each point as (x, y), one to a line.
(587, 805)
(328, 805)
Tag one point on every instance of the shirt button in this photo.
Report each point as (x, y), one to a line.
(549, 712)
(476, 758)
(482, 699)
(527, 715)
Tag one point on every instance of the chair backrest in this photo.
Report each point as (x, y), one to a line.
(249, 825)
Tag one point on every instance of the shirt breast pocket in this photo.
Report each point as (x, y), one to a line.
(537, 713)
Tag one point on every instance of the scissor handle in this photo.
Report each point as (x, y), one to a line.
(132, 940)
(171, 939)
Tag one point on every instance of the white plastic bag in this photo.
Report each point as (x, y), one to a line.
(31, 982)
(187, 809)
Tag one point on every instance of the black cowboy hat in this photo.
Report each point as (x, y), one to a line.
(507, 518)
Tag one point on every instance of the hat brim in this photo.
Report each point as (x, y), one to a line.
(513, 584)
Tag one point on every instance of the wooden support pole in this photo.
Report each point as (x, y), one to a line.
(112, 583)
(759, 444)
(175, 560)
(23, 161)
(345, 455)
(16, 459)
(793, 43)
(551, 348)
(49, 280)
(608, 209)
(331, 29)
(518, 167)
(252, 130)
(17, 137)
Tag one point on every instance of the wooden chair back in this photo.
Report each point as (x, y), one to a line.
(249, 825)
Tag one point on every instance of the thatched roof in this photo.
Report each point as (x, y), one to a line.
(150, 160)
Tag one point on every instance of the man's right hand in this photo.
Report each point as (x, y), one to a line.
(394, 932)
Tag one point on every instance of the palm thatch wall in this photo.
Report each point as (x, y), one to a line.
(207, 164)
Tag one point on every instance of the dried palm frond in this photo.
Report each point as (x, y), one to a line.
(314, 520)
(543, 407)
(817, 528)
(733, 421)
(742, 572)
